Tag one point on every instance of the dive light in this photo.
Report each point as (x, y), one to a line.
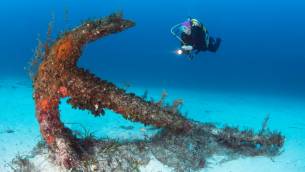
(185, 49)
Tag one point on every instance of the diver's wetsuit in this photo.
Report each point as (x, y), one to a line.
(197, 40)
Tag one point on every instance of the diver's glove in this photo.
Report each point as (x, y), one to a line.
(186, 48)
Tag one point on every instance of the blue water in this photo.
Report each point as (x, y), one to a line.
(262, 55)
(263, 41)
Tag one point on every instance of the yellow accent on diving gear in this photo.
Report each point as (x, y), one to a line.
(195, 22)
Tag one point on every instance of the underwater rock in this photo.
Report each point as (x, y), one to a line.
(58, 76)
(8, 131)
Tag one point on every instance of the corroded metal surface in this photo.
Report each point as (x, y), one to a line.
(58, 77)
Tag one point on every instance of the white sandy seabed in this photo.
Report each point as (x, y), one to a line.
(19, 131)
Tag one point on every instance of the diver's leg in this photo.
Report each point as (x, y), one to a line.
(190, 56)
(197, 51)
(214, 44)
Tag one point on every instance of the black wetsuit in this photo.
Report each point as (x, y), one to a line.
(197, 40)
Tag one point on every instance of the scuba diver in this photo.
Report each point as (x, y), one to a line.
(194, 37)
